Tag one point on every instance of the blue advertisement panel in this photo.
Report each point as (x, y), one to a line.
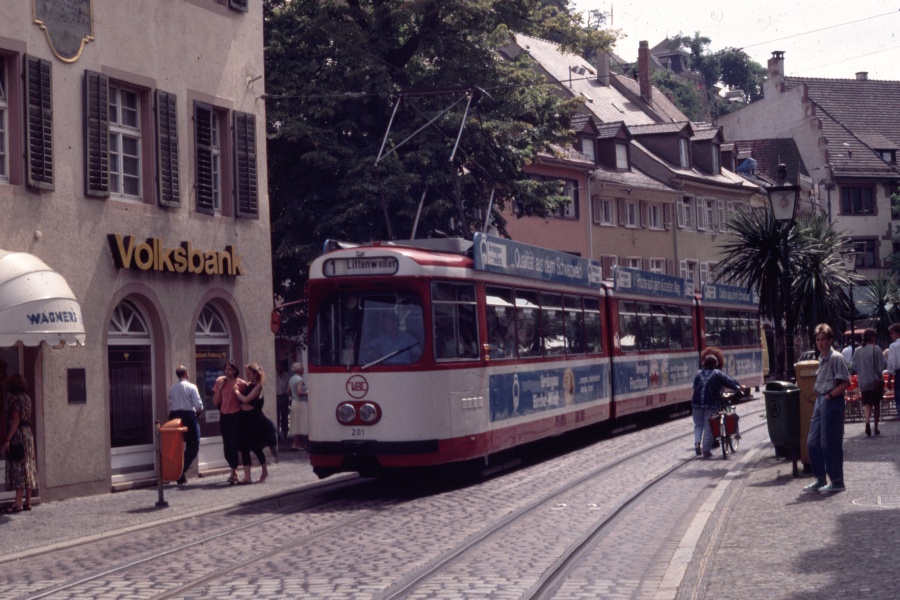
(530, 392)
(635, 281)
(498, 255)
(743, 364)
(654, 374)
(729, 294)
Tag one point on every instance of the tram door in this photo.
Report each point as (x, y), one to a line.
(130, 360)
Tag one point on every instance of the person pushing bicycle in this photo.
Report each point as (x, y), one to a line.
(706, 400)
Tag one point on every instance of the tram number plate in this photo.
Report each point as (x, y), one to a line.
(358, 432)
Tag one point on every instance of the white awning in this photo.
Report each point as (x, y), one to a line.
(36, 304)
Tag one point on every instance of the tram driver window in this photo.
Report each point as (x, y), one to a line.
(455, 321)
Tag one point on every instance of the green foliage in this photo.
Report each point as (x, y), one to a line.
(333, 72)
(684, 94)
(879, 302)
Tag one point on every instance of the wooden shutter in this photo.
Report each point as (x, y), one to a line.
(167, 149)
(667, 216)
(96, 135)
(241, 5)
(596, 210)
(670, 266)
(642, 216)
(679, 212)
(39, 123)
(620, 209)
(246, 194)
(203, 115)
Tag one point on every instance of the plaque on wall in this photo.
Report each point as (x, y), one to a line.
(68, 24)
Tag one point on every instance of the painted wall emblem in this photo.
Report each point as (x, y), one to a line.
(68, 24)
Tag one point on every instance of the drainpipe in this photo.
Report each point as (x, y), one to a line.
(590, 219)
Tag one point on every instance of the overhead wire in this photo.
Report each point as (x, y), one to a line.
(788, 37)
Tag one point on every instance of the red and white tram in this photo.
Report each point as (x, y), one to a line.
(431, 352)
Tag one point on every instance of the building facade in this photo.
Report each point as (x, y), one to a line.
(133, 165)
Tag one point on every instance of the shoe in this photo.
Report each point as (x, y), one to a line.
(815, 486)
(182, 480)
(26, 507)
(707, 454)
(833, 487)
(696, 449)
(877, 432)
(868, 431)
(14, 509)
(245, 482)
(232, 480)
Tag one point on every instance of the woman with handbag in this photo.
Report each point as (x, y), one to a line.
(21, 467)
(868, 364)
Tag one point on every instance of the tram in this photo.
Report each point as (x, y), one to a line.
(430, 352)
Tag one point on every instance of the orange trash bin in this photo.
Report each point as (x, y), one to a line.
(171, 450)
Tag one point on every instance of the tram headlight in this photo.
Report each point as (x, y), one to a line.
(346, 413)
(368, 413)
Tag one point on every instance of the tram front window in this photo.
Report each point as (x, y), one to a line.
(368, 329)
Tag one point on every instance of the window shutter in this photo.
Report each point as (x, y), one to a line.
(203, 152)
(167, 149)
(620, 209)
(704, 273)
(596, 210)
(670, 266)
(39, 123)
(642, 214)
(667, 216)
(241, 5)
(679, 212)
(682, 269)
(96, 135)
(245, 184)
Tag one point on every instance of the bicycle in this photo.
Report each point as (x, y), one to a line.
(725, 429)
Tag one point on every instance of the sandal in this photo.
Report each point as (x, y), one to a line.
(13, 509)
(232, 480)
(245, 482)
(26, 507)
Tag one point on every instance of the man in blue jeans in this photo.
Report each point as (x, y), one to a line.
(826, 430)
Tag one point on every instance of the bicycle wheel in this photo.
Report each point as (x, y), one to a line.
(723, 441)
(733, 443)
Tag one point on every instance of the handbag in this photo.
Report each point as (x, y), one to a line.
(16, 452)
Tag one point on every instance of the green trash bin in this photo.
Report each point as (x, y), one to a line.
(783, 413)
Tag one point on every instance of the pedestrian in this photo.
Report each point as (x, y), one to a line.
(299, 405)
(826, 429)
(253, 430)
(868, 364)
(229, 408)
(893, 360)
(18, 445)
(847, 353)
(708, 384)
(282, 399)
(185, 404)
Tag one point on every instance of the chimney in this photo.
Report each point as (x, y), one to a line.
(644, 72)
(776, 71)
(862, 76)
(603, 68)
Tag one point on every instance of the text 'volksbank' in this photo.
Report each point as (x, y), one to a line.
(152, 255)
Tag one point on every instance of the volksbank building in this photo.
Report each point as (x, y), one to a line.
(135, 231)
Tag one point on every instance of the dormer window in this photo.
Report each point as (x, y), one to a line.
(888, 156)
(684, 154)
(622, 156)
(716, 166)
(589, 148)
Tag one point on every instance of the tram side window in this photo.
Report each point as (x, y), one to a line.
(552, 324)
(711, 323)
(574, 325)
(629, 329)
(659, 331)
(645, 335)
(752, 329)
(528, 323)
(501, 322)
(676, 314)
(687, 329)
(592, 333)
(455, 321)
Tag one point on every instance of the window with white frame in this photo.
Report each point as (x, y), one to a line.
(688, 270)
(657, 265)
(124, 143)
(654, 216)
(4, 128)
(603, 211)
(706, 215)
(634, 262)
(588, 148)
(684, 155)
(684, 210)
(632, 214)
(622, 156)
(570, 209)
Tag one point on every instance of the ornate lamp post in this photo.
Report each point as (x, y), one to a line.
(783, 203)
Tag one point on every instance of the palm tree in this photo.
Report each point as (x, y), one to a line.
(879, 303)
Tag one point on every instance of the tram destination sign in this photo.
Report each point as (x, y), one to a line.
(362, 265)
(498, 255)
(729, 294)
(635, 281)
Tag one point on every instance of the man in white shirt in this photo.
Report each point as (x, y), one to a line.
(893, 360)
(185, 404)
(847, 353)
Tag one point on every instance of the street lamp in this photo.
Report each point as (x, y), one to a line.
(783, 202)
(850, 258)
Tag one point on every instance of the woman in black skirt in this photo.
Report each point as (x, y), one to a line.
(253, 424)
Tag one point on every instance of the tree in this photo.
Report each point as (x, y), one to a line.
(879, 302)
(334, 74)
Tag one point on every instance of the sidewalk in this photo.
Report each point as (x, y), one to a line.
(65, 523)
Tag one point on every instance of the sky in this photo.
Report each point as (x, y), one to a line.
(826, 38)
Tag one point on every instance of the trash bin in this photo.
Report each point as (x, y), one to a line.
(171, 450)
(783, 413)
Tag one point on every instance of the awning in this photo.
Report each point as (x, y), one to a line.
(36, 304)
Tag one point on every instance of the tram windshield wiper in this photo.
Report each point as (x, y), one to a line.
(389, 356)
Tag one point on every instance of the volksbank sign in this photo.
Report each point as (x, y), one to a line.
(153, 255)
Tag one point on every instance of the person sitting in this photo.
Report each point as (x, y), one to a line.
(392, 346)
